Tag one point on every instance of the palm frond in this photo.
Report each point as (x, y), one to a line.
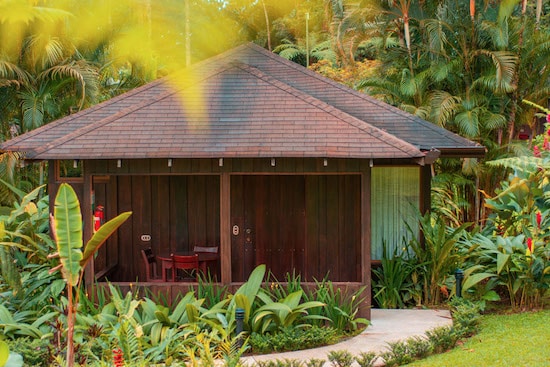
(444, 107)
(437, 38)
(12, 73)
(493, 121)
(468, 122)
(505, 67)
(80, 71)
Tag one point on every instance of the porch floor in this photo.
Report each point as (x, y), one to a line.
(386, 326)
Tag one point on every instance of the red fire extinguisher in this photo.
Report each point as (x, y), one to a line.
(99, 217)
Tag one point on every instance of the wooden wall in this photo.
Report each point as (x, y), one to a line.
(311, 213)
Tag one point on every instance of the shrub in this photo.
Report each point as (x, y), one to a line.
(340, 358)
(442, 338)
(466, 316)
(35, 352)
(392, 284)
(366, 359)
(289, 338)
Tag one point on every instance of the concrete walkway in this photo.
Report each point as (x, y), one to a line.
(386, 326)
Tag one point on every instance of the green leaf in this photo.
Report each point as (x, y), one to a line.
(502, 260)
(192, 313)
(491, 296)
(101, 236)
(4, 353)
(474, 279)
(68, 230)
(162, 317)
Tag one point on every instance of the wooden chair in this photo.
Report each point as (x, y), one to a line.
(188, 263)
(150, 263)
(207, 255)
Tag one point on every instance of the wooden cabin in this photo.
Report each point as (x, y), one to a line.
(248, 152)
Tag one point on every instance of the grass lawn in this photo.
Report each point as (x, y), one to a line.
(504, 340)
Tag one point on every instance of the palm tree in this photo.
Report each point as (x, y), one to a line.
(42, 77)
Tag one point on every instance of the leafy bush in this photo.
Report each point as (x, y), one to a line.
(442, 338)
(291, 337)
(35, 352)
(340, 306)
(437, 257)
(340, 358)
(466, 316)
(393, 284)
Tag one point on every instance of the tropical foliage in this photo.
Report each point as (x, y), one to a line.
(44, 313)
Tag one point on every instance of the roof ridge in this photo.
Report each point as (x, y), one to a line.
(438, 129)
(336, 112)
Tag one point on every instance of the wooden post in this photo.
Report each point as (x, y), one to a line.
(225, 227)
(366, 240)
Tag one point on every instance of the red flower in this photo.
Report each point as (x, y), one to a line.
(536, 151)
(548, 118)
(529, 247)
(118, 358)
(539, 219)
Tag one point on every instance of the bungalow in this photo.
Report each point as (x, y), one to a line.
(248, 152)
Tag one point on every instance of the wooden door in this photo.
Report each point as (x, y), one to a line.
(268, 224)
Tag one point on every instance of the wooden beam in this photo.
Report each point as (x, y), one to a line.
(225, 227)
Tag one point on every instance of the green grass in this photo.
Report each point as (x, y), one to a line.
(504, 340)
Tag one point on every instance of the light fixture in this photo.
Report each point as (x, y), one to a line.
(169, 162)
(325, 162)
(371, 163)
(272, 162)
(118, 163)
(220, 162)
(75, 163)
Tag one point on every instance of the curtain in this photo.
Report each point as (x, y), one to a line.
(395, 197)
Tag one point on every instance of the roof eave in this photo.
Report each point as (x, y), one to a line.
(471, 152)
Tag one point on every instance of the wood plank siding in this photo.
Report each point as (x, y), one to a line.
(298, 215)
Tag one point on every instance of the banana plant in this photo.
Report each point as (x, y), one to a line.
(66, 224)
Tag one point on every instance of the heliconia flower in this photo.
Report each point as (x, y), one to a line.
(529, 250)
(539, 219)
(548, 118)
(536, 151)
(118, 357)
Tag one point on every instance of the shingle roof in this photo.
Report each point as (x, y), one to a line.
(246, 102)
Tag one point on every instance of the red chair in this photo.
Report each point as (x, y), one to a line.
(188, 263)
(150, 262)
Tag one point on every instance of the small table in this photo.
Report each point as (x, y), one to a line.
(204, 259)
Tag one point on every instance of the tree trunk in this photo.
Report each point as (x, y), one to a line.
(267, 26)
(515, 80)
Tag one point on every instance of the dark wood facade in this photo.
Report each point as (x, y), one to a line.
(298, 215)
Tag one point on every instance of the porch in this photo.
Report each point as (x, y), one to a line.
(309, 222)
